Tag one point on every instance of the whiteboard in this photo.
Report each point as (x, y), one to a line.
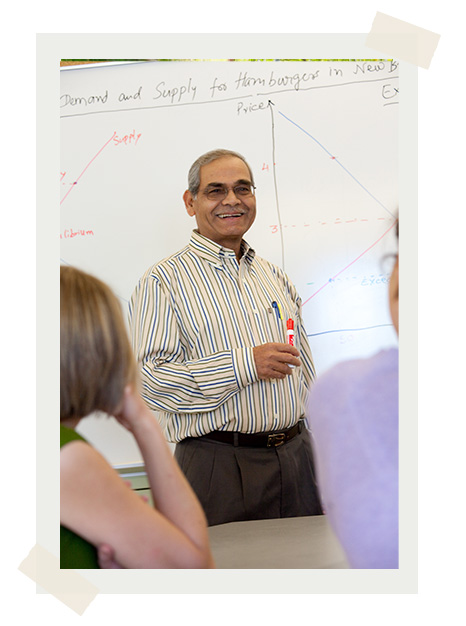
(321, 139)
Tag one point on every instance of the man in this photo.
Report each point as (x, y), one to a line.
(209, 331)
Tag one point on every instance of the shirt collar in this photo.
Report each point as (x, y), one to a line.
(215, 253)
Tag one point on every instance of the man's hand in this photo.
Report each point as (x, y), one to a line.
(272, 360)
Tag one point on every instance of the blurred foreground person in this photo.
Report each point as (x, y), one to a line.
(98, 373)
(353, 411)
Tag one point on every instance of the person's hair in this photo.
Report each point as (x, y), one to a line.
(96, 360)
(194, 175)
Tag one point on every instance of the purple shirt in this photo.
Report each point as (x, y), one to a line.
(353, 416)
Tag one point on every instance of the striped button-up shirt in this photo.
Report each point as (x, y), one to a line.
(195, 318)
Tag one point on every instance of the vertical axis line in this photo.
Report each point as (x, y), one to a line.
(275, 186)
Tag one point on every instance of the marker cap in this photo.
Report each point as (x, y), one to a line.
(290, 324)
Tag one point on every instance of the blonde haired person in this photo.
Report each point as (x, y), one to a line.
(98, 373)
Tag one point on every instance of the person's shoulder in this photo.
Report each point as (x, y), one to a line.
(75, 452)
(356, 377)
(275, 272)
(68, 435)
(78, 456)
(160, 268)
(271, 267)
(341, 374)
(356, 395)
(380, 363)
(265, 262)
(354, 369)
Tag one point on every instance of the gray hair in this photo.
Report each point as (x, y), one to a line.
(194, 176)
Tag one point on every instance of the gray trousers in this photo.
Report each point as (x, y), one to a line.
(237, 483)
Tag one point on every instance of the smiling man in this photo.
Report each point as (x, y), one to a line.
(209, 331)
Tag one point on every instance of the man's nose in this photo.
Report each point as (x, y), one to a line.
(231, 198)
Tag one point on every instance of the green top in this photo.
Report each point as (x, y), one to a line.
(75, 552)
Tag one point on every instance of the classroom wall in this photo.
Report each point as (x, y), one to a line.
(322, 141)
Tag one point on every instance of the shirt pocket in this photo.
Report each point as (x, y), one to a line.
(271, 323)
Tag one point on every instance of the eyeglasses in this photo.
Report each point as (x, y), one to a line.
(221, 192)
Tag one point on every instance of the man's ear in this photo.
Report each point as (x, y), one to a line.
(189, 202)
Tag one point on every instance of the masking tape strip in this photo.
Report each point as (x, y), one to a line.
(402, 40)
(66, 585)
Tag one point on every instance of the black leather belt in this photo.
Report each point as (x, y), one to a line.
(256, 440)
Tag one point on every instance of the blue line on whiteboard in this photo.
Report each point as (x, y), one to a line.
(336, 161)
(348, 330)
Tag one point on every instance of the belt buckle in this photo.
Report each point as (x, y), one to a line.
(275, 439)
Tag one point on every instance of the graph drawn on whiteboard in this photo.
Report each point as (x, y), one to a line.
(321, 138)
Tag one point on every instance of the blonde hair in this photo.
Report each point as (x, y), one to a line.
(96, 360)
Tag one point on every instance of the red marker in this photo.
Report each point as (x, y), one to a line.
(290, 335)
(290, 331)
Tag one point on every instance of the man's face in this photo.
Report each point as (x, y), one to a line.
(226, 220)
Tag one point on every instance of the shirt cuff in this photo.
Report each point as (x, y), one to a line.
(244, 366)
